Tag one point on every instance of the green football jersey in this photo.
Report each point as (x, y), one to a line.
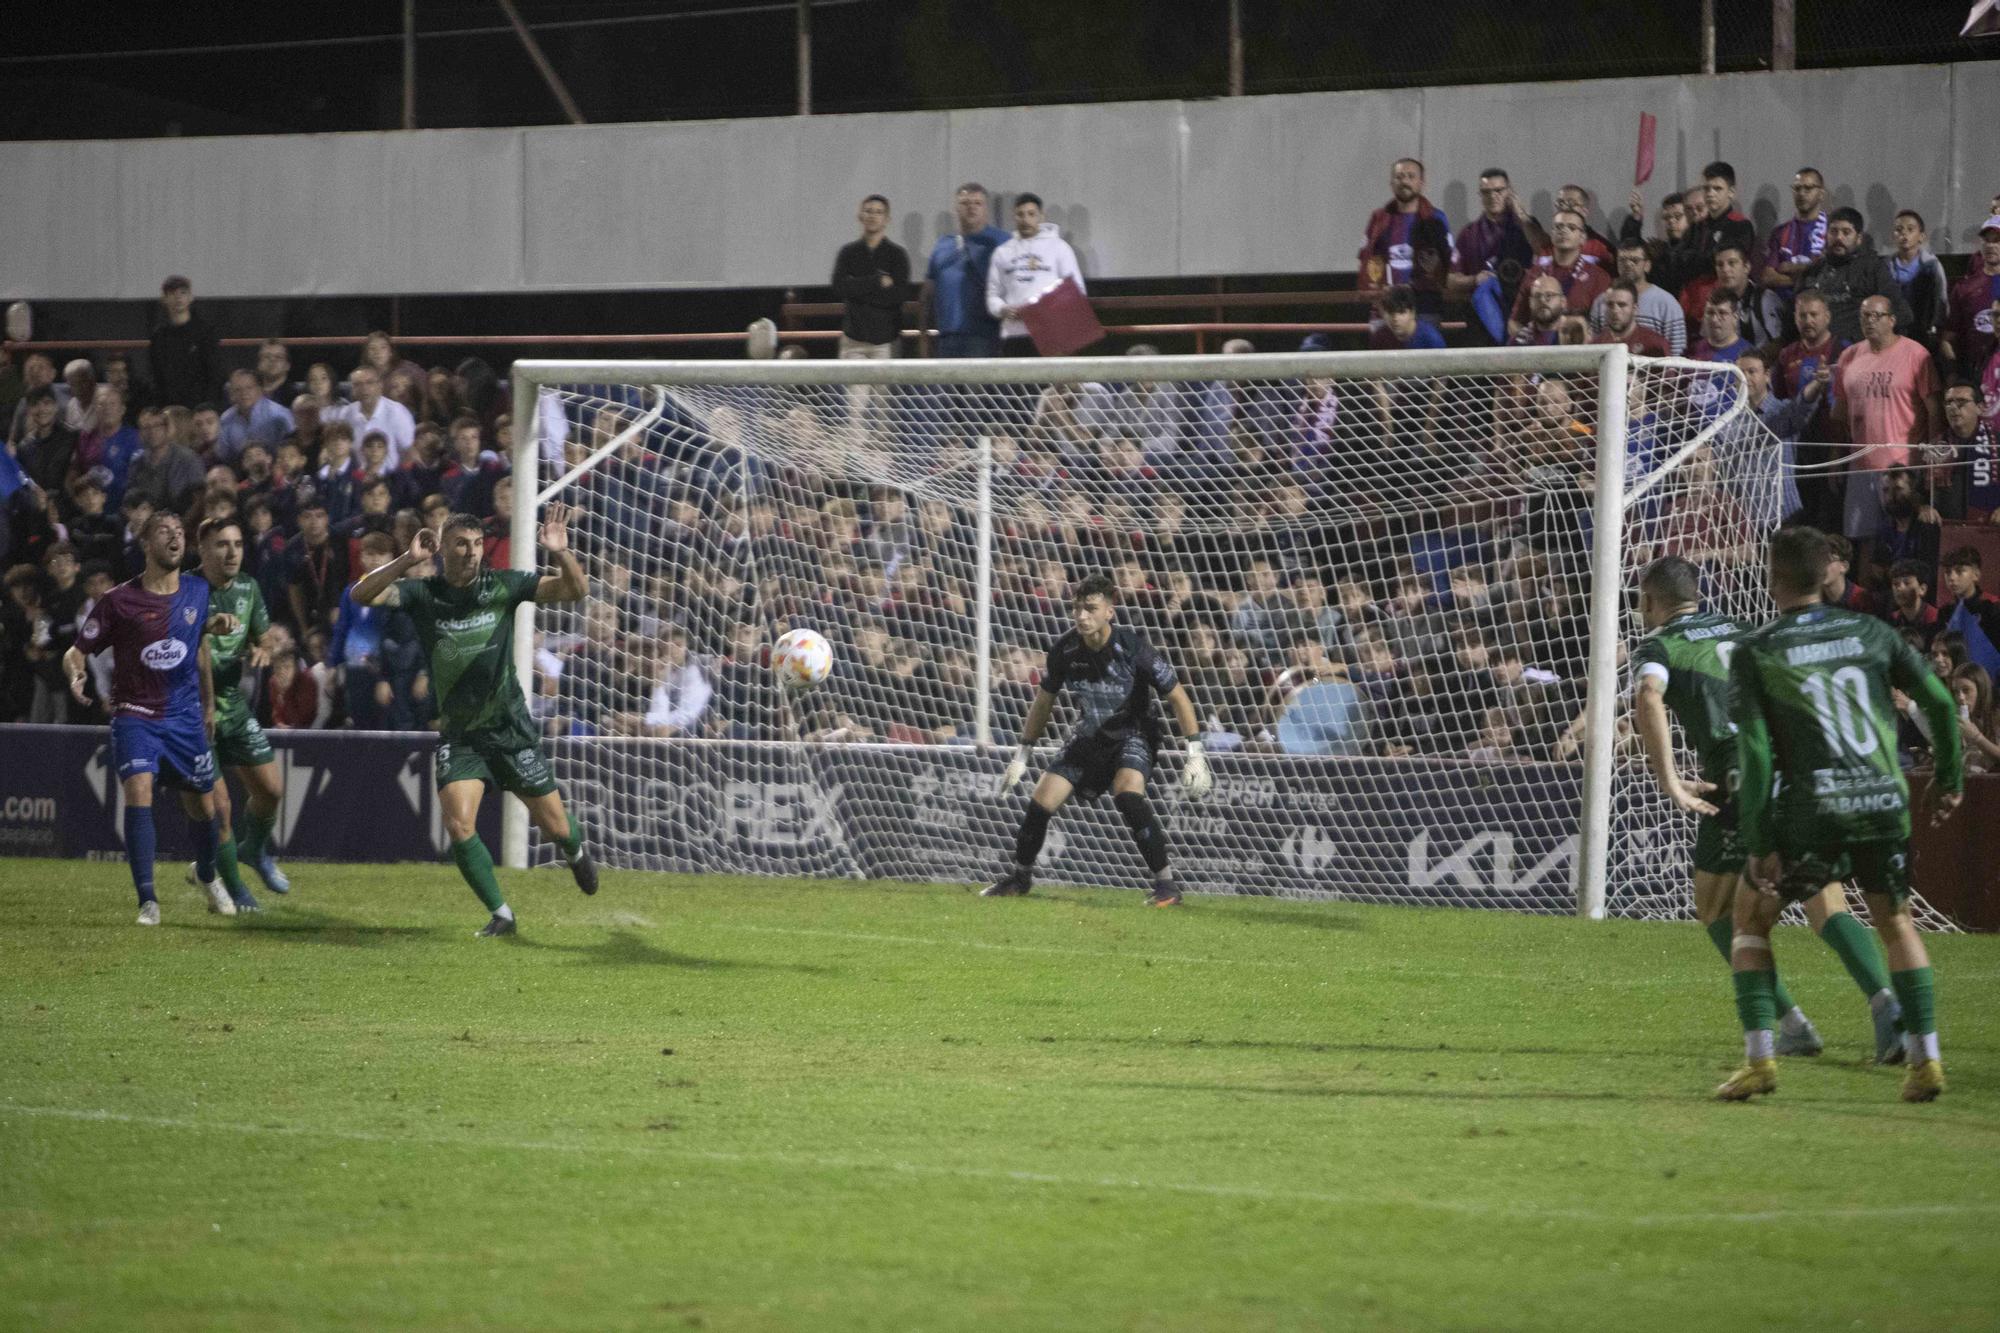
(468, 635)
(241, 598)
(1809, 694)
(1689, 656)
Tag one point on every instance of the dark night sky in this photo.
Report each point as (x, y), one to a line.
(868, 55)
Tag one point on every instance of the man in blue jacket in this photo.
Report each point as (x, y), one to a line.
(954, 292)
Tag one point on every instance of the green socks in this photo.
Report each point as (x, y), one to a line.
(476, 864)
(1919, 1000)
(1756, 1000)
(225, 866)
(256, 832)
(1859, 953)
(1721, 932)
(572, 846)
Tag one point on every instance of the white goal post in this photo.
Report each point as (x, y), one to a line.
(1399, 585)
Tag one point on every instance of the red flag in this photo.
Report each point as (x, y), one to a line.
(1061, 320)
(1643, 171)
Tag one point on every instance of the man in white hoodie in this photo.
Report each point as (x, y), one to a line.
(1034, 259)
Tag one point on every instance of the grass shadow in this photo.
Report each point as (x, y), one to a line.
(627, 948)
(1291, 918)
(1452, 1094)
(306, 923)
(1370, 1047)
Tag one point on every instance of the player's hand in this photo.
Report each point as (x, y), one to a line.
(221, 624)
(1763, 872)
(1196, 779)
(1635, 204)
(208, 722)
(1942, 804)
(76, 689)
(1687, 795)
(424, 545)
(555, 528)
(1017, 769)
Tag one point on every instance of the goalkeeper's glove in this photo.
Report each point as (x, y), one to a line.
(1017, 768)
(1196, 780)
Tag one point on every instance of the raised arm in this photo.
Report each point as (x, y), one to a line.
(568, 584)
(378, 586)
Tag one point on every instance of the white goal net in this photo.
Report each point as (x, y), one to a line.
(1373, 572)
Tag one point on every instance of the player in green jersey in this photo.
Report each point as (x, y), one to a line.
(1682, 668)
(1810, 696)
(465, 621)
(240, 745)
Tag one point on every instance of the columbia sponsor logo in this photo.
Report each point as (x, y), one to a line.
(1808, 653)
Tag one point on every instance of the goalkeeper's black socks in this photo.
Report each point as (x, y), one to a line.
(1145, 826)
(1034, 832)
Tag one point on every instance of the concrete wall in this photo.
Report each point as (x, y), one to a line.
(1144, 189)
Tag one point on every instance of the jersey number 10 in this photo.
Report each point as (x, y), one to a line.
(1840, 701)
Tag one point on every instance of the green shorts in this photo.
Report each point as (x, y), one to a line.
(241, 743)
(511, 764)
(1718, 847)
(1878, 867)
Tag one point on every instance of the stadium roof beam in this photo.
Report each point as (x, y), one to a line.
(548, 71)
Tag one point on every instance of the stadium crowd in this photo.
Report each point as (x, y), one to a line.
(1302, 619)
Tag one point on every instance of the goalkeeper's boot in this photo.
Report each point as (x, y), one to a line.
(266, 866)
(149, 913)
(1889, 1034)
(1165, 893)
(1802, 1040)
(498, 926)
(585, 871)
(1015, 884)
(1924, 1081)
(1754, 1079)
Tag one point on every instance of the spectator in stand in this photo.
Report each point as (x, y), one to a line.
(1910, 528)
(379, 354)
(1658, 311)
(1581, 279)
(1721, 223)
(1920, 277)
(871, 276)
(1972, 607)
(1618, 309)
(374, 512)
(251, 418)
(1402, 329)
(1791, 249)
(293, 701)
(1577, 200)
(1494, 251)
(35, 684)
(98, 535)
(372, 412)
(185, 357)
(165, 472)
(1849, 273)
(954, 291)
(1886, 398)
(37, 372)
(1965, 472)
(80, 378)
(1261, 613)
(333, 480)
(1030, 262)
(680, 698)
(118, 374)
(443, 403)
(425, 465)
(1676, 253)
(107, 442)
(1547, 307)
(467, 481)
(364, 649)
(274, 372)
(1812, 357)
(1731, 277)
(47, 448)
(1837, 589)
(1910, 607)
(1973, 688)
(1975, 306)
(319, 570)
(307, 427)
(1721, 338)
(324, 385)
(207, 418)
(1388, 255)
(1783, 417)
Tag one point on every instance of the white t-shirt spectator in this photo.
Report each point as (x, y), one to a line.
(680, 699)
(1023, 269)
(390, 417)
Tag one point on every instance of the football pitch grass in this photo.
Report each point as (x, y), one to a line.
(774, 1104)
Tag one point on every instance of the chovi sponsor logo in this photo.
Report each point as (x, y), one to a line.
(164, 654)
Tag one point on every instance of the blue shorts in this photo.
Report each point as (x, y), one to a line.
(174, 748)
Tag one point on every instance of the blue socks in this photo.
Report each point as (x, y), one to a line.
(141, 842)
(207, 836)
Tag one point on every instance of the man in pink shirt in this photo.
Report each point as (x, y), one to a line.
(1886, 398)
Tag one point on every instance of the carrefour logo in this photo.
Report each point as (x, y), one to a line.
(164, 654)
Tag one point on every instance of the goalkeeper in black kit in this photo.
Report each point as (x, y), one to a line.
(1112, 675)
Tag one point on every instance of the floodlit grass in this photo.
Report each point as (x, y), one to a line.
(744, 1104)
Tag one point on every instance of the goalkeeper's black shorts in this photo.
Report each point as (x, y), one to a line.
(1089, 763)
